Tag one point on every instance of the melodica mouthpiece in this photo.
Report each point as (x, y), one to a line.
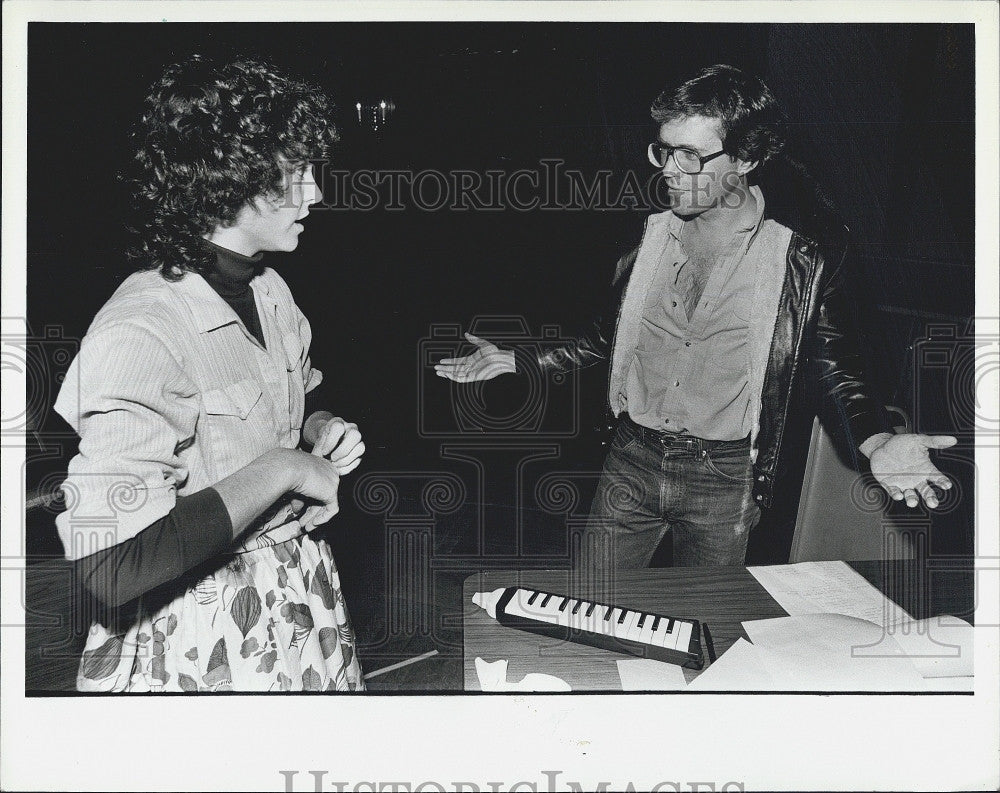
(488, 601)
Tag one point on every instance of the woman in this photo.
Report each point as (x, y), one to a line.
(189, 503)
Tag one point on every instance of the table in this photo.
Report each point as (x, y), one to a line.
(722, 597)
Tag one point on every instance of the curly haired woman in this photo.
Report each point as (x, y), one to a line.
(190, 503)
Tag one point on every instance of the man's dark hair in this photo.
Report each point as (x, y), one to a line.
(748, 113)
(211, 139)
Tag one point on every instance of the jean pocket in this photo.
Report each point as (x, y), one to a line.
(731, 467)
(624, 439)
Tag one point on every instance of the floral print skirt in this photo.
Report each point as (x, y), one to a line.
(271, 619)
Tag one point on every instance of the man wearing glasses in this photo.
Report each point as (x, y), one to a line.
(723, 309)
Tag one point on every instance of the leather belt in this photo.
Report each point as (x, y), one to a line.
(677, 440)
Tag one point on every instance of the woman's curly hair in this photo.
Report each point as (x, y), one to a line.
(211, 139)
(751, 119)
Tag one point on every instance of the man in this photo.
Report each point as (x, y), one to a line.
(722, 311)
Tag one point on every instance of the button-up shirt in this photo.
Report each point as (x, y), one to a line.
(171, 393)
(692, 375)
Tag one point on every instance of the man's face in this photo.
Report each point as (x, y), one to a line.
(271, 223)
(718, 186)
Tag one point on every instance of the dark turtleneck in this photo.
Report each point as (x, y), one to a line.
(230, 278)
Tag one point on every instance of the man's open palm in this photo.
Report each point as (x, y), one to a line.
(902, 465)
(486, 362)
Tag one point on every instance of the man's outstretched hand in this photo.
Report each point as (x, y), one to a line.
(486, 362)
(902, 465)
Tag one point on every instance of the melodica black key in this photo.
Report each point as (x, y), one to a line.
(639, 633)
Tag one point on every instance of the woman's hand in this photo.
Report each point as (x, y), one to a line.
(340, 442)
(316, 479)
(251, 490)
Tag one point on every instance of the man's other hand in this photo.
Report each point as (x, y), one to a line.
(485, 363)
(902, 465)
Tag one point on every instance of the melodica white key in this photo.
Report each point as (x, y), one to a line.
(610, 627)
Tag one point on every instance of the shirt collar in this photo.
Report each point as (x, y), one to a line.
(209, 309)
(753, 228)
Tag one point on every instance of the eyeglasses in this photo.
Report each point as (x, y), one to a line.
(687, 161)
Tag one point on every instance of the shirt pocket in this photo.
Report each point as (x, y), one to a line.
(742, 308)
(236, 399)
(727, 348)
(236, 424)
(733, 311)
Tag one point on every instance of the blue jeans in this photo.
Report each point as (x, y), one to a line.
(654, 482)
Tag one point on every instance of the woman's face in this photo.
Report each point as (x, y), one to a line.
(271, 223)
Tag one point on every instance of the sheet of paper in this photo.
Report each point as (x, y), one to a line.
(938, 646)
(825, 588)
(493, 677)
(644, 674)
(832, 652)
(740, 668)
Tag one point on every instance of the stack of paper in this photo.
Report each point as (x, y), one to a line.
(825, 588)
(833, 652)
(869, 644)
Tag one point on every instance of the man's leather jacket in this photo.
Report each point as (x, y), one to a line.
(815, 339)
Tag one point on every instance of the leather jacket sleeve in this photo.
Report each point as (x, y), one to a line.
(593, 341)
(837, 361)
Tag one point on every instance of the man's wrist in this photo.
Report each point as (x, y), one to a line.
(873, 443)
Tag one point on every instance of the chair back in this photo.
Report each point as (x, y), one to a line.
(843, 515)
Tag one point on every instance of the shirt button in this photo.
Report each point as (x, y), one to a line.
(803, 249)
(687, 344)
(666, 421)
(674, 303)
(760, 478)
(676, 383)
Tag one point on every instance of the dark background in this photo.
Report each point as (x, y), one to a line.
(883, 114)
